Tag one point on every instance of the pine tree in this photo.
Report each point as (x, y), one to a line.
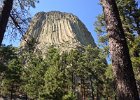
(4, 17)
(121, 63)
(10, 71)
(14, 15)
(129, 10)
(33, 76)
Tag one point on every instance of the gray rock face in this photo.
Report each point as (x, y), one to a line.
(63, 30)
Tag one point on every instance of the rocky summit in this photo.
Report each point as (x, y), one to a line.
(62, 30)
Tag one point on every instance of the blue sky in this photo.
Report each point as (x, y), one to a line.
(86, 10)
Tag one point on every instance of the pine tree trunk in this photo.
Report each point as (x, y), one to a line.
(4, 16)
(91, 85)
(121, 63)
(11, 92)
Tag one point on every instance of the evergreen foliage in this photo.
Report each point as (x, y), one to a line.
(57, 76)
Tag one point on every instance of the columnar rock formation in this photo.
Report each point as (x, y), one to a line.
(63, 30)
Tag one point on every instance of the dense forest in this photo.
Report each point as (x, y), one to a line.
(80, 74)
(58, 76)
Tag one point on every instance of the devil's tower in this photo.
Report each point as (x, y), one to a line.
(62, 30)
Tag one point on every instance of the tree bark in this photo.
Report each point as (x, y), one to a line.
(4, 16)
(91, 85)
(121, 63)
